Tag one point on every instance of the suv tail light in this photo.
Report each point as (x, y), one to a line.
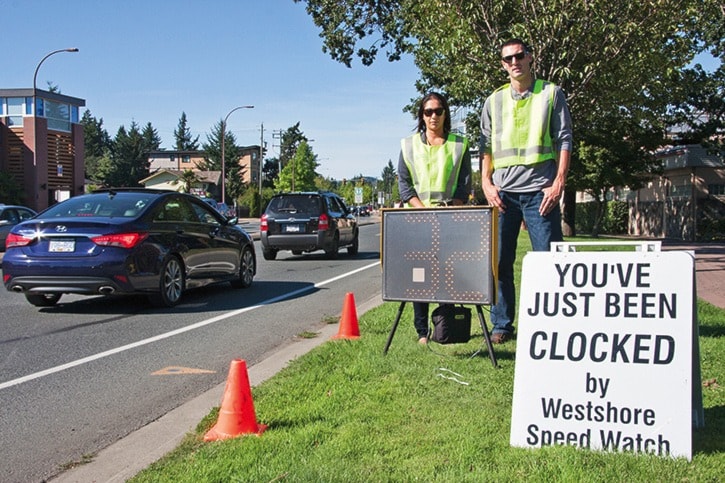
(323, 223)
(263, 226)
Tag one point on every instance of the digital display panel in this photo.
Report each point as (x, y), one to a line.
(442, 255)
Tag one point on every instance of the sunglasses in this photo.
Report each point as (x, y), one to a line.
(429, 112)
(518, 56)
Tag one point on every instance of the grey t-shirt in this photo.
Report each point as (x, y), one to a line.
(522, 179)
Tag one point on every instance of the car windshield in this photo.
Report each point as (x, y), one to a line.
(309, 204)
(107, 205)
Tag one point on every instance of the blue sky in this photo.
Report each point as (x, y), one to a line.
(149, 60)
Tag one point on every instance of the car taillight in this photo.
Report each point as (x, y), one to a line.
(263, 223)
(323, 223)
(14, 240)
(123, 240)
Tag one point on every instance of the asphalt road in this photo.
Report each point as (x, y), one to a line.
(79, 376)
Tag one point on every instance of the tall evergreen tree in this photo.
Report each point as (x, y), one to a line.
(128, 162)
(212, 148)
(183, 137)
(97, 144)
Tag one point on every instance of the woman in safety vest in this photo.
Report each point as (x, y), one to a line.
(434, 168)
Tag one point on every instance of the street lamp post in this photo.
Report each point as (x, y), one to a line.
(224, 125)
(35, 95)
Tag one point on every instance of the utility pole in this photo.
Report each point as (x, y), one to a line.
(261, 165)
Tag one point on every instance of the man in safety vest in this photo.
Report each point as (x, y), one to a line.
(434, 168)
(526, 138)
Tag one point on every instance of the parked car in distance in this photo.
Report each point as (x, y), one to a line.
(127, 240)
(11, 215)
(307, 222)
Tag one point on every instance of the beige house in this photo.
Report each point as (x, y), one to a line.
(687, 202)
(173, 160)
(208, 183)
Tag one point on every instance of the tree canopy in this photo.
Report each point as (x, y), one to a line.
(620, 63)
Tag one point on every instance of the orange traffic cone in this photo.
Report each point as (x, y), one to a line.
(348, 320)
(236, 415)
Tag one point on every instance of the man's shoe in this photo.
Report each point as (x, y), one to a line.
(500, 337)
(423, 340)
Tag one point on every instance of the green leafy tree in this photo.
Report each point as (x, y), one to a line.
(389, 182)
(188, 179)
(624, 69)
(183, 137)
(299, 173)
(290, 141)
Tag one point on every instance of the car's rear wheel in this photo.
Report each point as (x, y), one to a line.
(246, 269)
(43, 299)
(353, 249)
(269, 253)
(333, 248)
(171, 283)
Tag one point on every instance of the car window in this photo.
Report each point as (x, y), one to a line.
(303, 204)
(333, 205)
(176, 209)
(9, 215)
(25, 214)
(100, 205)
(205, 215)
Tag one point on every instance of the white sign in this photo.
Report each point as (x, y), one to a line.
(358, 194)
(605, 351)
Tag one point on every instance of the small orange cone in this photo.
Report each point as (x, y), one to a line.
(348, 321)
(236, 415)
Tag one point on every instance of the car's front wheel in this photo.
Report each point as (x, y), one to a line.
(43, 299)
(246, 269)
(171, 283)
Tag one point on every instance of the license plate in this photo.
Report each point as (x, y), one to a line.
(292, 228)
(62, 246)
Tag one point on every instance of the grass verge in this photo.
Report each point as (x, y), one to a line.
(344, 412)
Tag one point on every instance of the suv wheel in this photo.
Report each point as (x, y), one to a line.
(331, 251)
(269, 253)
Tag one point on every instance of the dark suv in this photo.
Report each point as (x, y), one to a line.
(306, 222)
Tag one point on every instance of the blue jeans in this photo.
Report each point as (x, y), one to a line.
(420, 318)
(542, 230)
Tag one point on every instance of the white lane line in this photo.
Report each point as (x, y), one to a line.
(172, 333)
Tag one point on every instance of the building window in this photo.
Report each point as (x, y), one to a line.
(186, 158)
(58, 115)
(15, 107)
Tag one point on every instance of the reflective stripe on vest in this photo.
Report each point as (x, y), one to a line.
(520, 129)
(434, 169)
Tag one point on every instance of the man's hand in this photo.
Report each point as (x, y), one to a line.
(552, 195)
(490, 191)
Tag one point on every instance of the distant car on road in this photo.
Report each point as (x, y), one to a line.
(11, 215)
(306, 222)
(126, 240)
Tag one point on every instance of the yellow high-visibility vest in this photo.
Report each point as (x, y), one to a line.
(520, 129)
(434, 169)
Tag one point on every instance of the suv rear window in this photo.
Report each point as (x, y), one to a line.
(286, 204)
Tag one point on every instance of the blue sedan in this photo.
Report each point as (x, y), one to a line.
(125, 241)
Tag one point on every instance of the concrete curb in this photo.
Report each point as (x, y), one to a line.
(128, 456)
